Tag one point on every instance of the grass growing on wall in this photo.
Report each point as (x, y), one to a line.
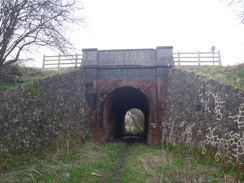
(13, 76)
(232, 75)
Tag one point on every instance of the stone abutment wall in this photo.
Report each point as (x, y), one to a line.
(32, 116)
(204, 113)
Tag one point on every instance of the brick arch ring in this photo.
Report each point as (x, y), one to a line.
(116, 104)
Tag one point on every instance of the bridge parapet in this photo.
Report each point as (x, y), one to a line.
(159, 57)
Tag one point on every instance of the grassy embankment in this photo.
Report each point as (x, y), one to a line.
(232, 75)
(14, 76)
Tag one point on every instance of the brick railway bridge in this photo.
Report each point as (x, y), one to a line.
(119, 80)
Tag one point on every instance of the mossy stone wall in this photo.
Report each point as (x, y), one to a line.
(204, 113)
(31, 117)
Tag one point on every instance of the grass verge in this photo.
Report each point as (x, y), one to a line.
(232, 75)
(13, 76)
(175, 164)
(91, 162)
(85, 162)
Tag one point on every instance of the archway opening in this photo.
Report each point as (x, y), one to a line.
(134, 123)
(116, 105)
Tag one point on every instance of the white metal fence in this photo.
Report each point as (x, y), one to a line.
(180, 58)
(197, 58)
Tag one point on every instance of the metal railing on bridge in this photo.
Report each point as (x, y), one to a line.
(180, 58)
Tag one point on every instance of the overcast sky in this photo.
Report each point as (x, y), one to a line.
(187, 25)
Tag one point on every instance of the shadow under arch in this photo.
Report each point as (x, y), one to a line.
(117, 103)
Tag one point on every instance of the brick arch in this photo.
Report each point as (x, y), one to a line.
(117, 103)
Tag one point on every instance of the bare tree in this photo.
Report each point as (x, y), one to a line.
(42, 23)
(238, 5)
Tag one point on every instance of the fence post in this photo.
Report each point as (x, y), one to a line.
(199, 59)
(59, 58)
(43, 64)
(219, 57)
(178, 58)
(76, 60)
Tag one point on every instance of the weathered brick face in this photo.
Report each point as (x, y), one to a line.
(113, 90)
(145, 86)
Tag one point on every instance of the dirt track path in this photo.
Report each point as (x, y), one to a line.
(118, 169)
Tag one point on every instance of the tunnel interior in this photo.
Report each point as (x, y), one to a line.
(115, 107)
(134, 122)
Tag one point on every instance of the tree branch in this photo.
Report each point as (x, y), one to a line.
(26, 23)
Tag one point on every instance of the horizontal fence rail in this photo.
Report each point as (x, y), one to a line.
(180, 58)
(197, 58)
(61, 61)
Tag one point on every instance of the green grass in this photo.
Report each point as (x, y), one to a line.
(13, 76)
(232, 75)
(155, 165)
(190, 165)
(87, 161)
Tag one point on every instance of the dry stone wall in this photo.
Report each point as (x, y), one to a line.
(204, 113)
(32, 116)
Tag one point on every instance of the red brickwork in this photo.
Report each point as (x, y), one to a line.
(103, 88)
(118, 80)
